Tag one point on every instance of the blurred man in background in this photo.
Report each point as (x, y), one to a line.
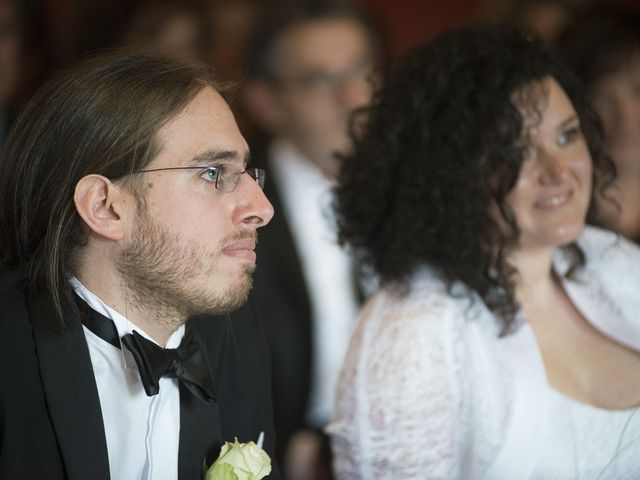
(311, 65)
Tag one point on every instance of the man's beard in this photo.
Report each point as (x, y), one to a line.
(160, 272)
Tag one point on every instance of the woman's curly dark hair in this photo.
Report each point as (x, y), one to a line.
(417, 187)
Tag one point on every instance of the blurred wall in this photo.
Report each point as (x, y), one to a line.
(406, 23)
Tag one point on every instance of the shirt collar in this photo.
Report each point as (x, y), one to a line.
(289, 162)
(123, 325)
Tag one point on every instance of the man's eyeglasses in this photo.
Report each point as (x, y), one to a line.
(225, 178)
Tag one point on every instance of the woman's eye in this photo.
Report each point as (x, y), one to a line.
(569, 135)
(211, 174)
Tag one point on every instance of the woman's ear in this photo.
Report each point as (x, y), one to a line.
(102, 205)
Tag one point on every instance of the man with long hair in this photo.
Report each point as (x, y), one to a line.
(126, 209)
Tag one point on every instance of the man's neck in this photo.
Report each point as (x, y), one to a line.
(157, 322)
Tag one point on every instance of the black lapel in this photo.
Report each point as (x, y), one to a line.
(200, 431)
(70, 390)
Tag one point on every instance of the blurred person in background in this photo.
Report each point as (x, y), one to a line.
(504, 343)
(231, 23)
(545, 17)
(311, 64)
(175, 27)
(602, 46)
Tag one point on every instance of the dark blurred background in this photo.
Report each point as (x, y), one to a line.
(50, 34)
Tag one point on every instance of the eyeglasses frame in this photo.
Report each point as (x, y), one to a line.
(258, 174)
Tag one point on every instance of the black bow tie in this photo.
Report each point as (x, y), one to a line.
(186, 363)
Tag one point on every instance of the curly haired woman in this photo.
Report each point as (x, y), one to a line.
(504, 342)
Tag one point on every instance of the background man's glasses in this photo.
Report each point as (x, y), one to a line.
(224, 177)
(324, 82)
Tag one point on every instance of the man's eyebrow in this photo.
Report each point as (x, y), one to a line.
(212, 156)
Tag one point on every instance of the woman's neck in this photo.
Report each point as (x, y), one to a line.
(535, 273)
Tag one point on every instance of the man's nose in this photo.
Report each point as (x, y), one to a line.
(354, 90)
(256, 210)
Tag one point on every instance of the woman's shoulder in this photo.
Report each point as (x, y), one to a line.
(424, 308)
(605, 250)
(611, 273)
(598, 243)
(423, 295)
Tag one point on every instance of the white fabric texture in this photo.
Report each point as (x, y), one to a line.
(430, 391)
(142, 433)
(569, 453)
(306, 198)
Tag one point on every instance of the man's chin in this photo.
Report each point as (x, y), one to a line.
(236, 295)
(237, 299)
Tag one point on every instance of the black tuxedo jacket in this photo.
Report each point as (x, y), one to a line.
(50, 418)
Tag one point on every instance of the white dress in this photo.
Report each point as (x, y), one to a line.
(430, 391)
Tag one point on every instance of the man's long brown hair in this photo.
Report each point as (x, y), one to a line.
(101, 117)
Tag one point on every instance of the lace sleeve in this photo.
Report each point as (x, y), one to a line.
(399, 412)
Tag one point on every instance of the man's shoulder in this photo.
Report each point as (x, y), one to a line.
(12, 298)
(16, 333)
(11, 280)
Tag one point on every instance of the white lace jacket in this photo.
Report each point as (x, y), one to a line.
(430, 391)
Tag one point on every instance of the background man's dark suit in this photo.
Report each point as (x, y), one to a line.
(50, 419)
(281, 293)
(282, 296)
(310, 66)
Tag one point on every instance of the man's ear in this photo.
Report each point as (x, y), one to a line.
(102, 205)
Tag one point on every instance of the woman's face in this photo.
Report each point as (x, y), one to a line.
(616, 98)
(552, 194)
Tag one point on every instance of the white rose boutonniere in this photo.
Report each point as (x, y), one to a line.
(240, 461)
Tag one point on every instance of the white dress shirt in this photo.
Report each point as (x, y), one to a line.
(142, 432)
(306, 198)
